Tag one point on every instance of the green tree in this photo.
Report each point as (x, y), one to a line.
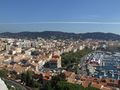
(48, 86)
(27, 78)
(3, 73)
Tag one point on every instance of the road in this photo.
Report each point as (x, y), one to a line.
(83, 66)
(15, 84)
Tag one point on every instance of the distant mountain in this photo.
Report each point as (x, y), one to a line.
(100, 36)
(62, 35)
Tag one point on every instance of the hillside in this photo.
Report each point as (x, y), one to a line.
(62, 35)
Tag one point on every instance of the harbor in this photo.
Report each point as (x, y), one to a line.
(104, 64)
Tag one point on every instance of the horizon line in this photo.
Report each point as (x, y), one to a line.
(66, 22)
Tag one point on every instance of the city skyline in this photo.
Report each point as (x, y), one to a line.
(68, 16)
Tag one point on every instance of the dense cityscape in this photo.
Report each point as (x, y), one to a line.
(59, 44)
(38, 63)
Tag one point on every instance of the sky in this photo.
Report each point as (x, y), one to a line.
(76, 16)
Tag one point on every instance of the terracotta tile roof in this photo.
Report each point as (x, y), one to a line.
(67, 73)
(106, 88)
(53, 60)
(55, 56)
(9, 67)
(18, 68)
(97, 85)
(47, 75)
(46, 78)
(85, 83)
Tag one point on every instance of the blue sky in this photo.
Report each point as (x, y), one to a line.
(60, 15)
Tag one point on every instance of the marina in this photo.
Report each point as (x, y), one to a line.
(104, 64)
